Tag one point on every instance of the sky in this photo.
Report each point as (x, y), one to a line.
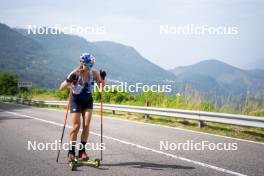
(138, 24)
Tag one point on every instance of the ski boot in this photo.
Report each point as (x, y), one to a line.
(83, 156)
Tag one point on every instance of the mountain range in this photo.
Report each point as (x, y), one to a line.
(122, 62)
(255, 64)
(217, 80)
(47, 59)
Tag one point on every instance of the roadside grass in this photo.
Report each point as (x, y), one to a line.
(50, 97)
(257, 113)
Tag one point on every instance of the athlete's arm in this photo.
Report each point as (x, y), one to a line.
(73, 76)
(63, 85)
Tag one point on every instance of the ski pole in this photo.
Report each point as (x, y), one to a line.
(101, 119)
(64, 125)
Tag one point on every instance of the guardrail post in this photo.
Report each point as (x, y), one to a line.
(201, 124)
(146, 116)
(113, 111)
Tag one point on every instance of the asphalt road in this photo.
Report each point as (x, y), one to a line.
(132, 148)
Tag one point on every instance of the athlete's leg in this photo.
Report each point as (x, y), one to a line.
(86, 115)
(75, 118)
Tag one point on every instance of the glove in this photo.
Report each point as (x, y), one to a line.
(71, 78)
(102, 74)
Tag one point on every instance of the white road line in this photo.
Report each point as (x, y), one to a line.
(139, 146)
(186, 130)
(163, 126)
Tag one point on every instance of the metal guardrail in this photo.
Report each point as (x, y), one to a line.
(201, 116)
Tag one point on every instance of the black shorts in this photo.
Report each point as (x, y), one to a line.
(78, 104)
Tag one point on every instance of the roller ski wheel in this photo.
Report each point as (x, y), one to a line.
(72, 162)
(97, 163)
(72, 165)
(93, 163)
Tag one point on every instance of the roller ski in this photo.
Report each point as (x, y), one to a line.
(93, 163)
(83, 160)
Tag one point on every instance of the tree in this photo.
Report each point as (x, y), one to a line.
(8, 83)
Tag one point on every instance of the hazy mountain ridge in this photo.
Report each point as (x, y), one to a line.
(129, 59)
(59, 54)
(47, 59)
(226, 80)
(24, 56)
(122, 62)
(255, 64)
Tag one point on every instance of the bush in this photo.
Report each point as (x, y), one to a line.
(8, 83)
(62, 95)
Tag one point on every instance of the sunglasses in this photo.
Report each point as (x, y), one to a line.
(89, 65)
